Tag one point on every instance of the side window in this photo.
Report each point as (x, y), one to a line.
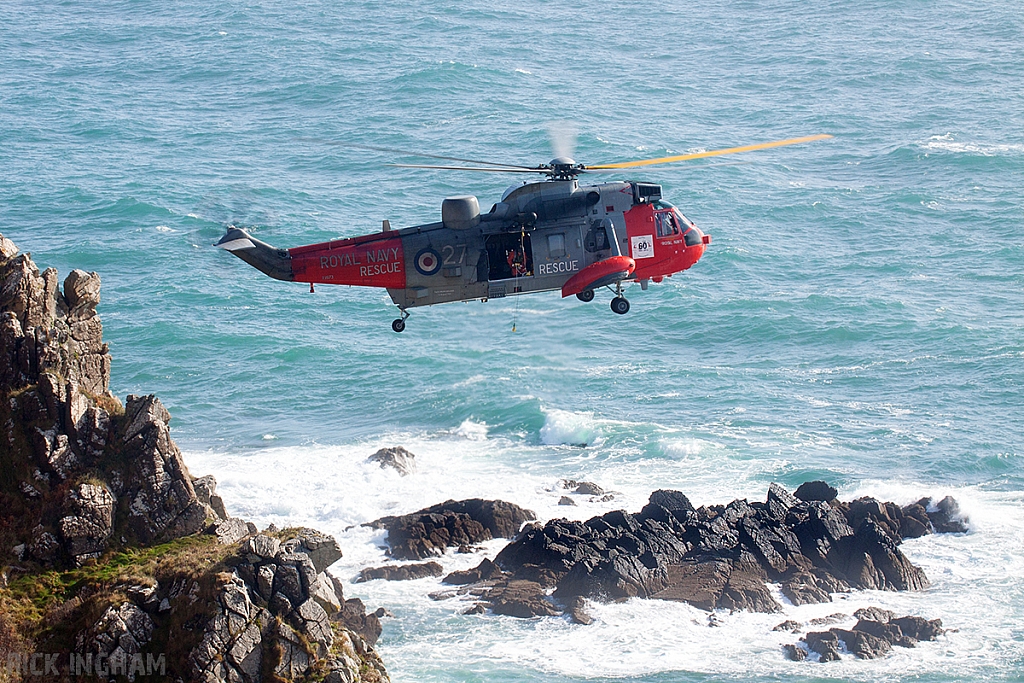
(556, 245)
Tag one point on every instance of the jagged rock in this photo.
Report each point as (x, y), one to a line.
(396, 458)
(522, 599)
(795, 653)
(576, 608)
(946, 518)
(811, 491)
(88, 525)
(789, 625)
(566, 500)
(121, 632)
(405, 572)
(288, 583)
(295, 661)
(229, 531)
(325, 595)
(81, 293)
(825, 643)
(483, 571)
(919, 628)
(587, 488)
(8, 249)
(206, 492)
(321, 549)
(874, 614)
(163, 504)
(863, 645)
(353, 615)
(262, 547)
(231, 646)
(315, 625)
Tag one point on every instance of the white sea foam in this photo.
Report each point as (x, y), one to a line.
(569, 428)
(474, 431)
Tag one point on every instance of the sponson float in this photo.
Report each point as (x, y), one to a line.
(554, 234)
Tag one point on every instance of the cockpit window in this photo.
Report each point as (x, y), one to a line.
(665, 223)
(659, 204)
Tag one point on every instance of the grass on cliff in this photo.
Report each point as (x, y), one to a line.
(37, 602)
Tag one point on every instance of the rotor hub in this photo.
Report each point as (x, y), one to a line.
(564, 168)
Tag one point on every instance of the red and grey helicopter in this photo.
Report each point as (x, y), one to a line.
(553, 234)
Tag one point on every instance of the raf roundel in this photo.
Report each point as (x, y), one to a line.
(428, 261)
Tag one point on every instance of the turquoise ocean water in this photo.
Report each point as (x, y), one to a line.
(859, 316)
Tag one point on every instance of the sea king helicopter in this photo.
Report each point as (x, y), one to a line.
(552, 234)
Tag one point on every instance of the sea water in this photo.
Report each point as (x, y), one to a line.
(858, 317)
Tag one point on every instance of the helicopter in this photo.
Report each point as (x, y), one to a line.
(546, 235)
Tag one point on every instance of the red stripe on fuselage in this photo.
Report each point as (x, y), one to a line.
(368, 261)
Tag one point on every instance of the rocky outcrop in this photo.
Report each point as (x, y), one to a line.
(86, 481)
(725, 556)
(874, 635)
(430, 531)
(404, 572)
(86, 470)
(397, 458)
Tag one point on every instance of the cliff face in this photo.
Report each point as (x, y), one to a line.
(112, 551)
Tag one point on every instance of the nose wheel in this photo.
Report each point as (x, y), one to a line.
(398, 324)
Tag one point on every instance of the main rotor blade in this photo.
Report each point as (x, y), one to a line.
(511, 169)
(403, 152)
(712, 153)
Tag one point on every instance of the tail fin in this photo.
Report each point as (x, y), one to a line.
(277, 263)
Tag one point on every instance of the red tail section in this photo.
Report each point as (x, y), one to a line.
(370, 261)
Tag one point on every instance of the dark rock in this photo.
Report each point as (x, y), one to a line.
(830, 619)
(794, 653)
(810, 491)
(589, 488)
(789, 625)
(887, 632)
(483, 571)
(825, 643)
(947, 518)
(451, 524)
(915, 522)
(874, 614)
(478, 608)
(566, 500)
(717, 584)
(863, 644)
(874, 562)
(354, 617)
(405, 572)
(522, 599)
(673, 501)
(919, 628)
(576, 608)
(397, 458)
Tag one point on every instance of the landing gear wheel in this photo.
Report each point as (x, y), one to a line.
(620, 305)
(586, 296)
(398, 324)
